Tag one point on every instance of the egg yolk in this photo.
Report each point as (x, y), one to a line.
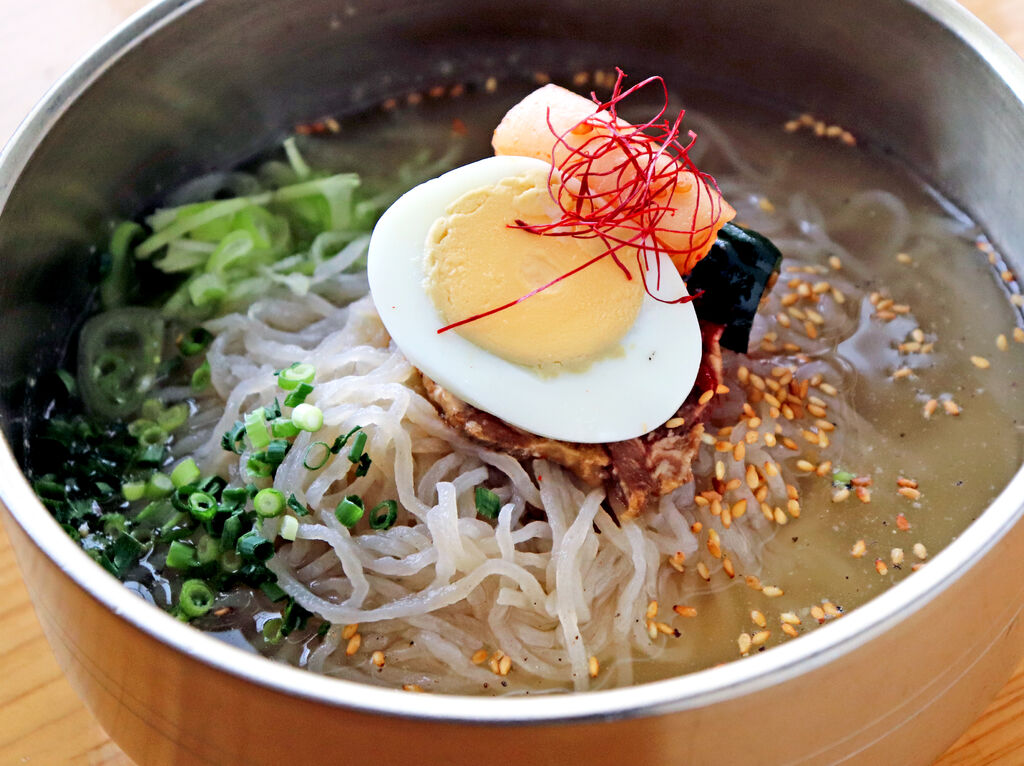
(474, 262)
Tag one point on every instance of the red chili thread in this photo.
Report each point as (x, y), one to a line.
(642, 163)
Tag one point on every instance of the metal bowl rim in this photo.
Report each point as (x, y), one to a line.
(698, 689)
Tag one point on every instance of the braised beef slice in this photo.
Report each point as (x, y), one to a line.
(635, 471)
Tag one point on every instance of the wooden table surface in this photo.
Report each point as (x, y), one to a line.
(41, 719)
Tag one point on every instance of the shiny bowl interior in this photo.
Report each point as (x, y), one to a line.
(186, 87)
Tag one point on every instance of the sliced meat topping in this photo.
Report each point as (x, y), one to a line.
(635, 471)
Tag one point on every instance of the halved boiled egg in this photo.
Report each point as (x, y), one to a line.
(594, 357)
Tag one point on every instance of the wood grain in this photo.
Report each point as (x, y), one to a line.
(41, 719)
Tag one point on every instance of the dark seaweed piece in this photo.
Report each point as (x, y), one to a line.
(734, 276)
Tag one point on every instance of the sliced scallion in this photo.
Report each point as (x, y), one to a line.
(269, 502)
(308, 417)
(180, 555)
(201, 377)
(158, 485)
(384, 514)
(291, 377)
(185, 472)
(289, 528)
(202, 506)
(350, 510)
(256, 428)
(298, 396)
(316, 456)
(196, 598)
(488, 504)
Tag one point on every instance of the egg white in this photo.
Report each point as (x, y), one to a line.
(615, 398)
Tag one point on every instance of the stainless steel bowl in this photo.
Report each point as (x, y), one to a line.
(189, 86)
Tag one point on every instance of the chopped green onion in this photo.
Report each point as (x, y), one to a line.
(255, 547)
(298, 508)
(291, 377)
(125, 551)
(364, 465)
(488, 504)
(298, 396)
(152, 435)
(173, 418)
(207, 288)
(273, 590)
(207, 549)
(113, 523)
(386, 519)
(295, 617)
(159, 485)
(308, 417)
(69, 381)
(324, 626)
(195, 340)
(321, 460)
(202, 506)
(131, 490)
(195, 598)
(272, 630)
(350, 510)
(340, 442)
(180, 555)
(269, 503)
(258, 469)
(234, 440)
(233, 498)
(231, 532)
(358, 445)
(842, 477)
(256, 428)
(289, 528)
(185, 472)
(230, 561)
(284, 428)
(150, 410)
(201, 377)
(153, 455)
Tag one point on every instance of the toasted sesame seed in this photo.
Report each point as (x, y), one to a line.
(491, 84)
(880, 567)
(675, 422)
(835, 262)
(706, 397)
(685, 611)
(909, 492)
(841, 495)
(791, 445)
(1001, 343)
(824, 468)
(758, 618)
(652, 630)
(353, 644)
(793, 506)
(1018, 333)
(951, 407)
(848, 138)
(377, 658)
(896, 556)
(904, 258)
(702, 570)
(789, 618)
(1017, 300)
(753, 582)
(920, 551)
(714, 544)
(696, 527)
(902, 372)
(772, 591)
(790, 631)
(652, 610)
(412, 688)
(818, 613)
(1007, 275)
(738, 508)
(721, 388)
(980, 362)
(739, 452)
(753, 480)
(903, 481)
(593, 666)
(783, 319)
(831, 609)
(727, 567)
(759, 638)
(792, 493)
(349, 631)
(901, 523)
(505, 665)
(719, 470)
(863, 494)
(792, 126)
(930, 406)
(744, 642)
(743, 373)
(859, 549)
(478, 656)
